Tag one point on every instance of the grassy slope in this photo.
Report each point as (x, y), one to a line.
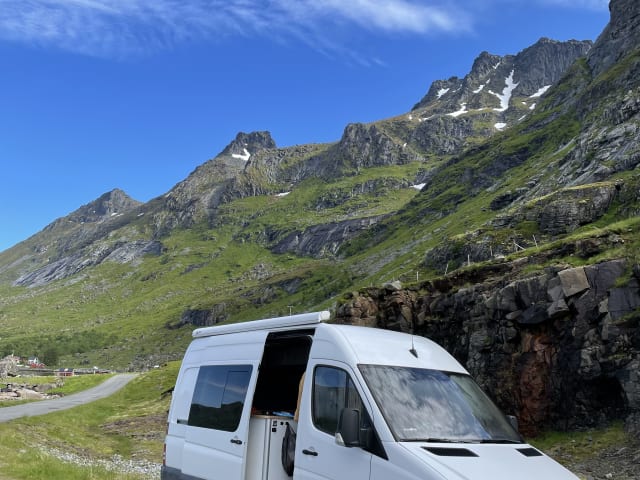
(129, 424)
(118, 312)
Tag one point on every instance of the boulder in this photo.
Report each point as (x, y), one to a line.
(573, 281)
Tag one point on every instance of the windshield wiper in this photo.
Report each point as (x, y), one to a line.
(498, 440)
(463, 440)
(443, 440)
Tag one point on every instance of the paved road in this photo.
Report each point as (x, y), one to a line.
(103, 390)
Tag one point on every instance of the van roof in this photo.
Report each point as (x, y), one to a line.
(387, 347)
(290, 321)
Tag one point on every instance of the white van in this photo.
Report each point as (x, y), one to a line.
(373, 404)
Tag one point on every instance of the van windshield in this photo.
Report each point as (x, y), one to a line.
(434, 406)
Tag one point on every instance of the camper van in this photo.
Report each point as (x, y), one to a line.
(295, 397)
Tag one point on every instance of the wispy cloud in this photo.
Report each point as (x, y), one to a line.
(125, 27)
(116, 28)
(579, 4)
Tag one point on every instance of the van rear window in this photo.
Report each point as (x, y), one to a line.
(219, 396)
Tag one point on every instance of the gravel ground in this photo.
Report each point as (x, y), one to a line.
(620, 462)
(117, 464)
(617, 463)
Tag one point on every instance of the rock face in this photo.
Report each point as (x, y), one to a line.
(323, 240)
(565, 209)
(537, 66)
(8, 367)
(113, 203)
(619, 38)
(560, 349)
(120, 252)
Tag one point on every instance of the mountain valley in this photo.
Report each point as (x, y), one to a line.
(498, 216)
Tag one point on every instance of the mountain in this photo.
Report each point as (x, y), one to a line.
(506, 202)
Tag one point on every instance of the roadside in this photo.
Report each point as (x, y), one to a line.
(609, 453)
(105, 389)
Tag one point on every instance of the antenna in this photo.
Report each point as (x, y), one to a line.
(413, 350)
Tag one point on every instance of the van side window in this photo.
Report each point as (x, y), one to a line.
(219, 396)
(333, 390)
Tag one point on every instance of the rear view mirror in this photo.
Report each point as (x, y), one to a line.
(348, 433)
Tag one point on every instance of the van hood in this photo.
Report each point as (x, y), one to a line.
(474, 461)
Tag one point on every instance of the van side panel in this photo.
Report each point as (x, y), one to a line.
(205, 452)
(178, 416)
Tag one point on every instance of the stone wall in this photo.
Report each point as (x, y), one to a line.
(560, 349)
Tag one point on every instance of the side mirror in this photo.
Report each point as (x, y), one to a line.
(348, 434)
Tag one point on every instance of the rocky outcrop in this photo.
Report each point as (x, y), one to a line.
(201, 318)
(247, 144)
(9, 366)
(619, 38)
(120, 252)
(323, 240)
(363, 146)
(537, 66)
(562, 211)
(561, 348)
(108, 205)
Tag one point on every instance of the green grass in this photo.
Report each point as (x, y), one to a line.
(130, 424)
(582, 445)
(79, 383)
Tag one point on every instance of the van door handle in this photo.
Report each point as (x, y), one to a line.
(237, 441)
(313, 453)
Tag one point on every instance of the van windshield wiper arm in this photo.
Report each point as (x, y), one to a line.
(498, 440)
(463, 440)
(441, 440)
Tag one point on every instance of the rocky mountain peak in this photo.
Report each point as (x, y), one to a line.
(246, 144)
(484, 64)
(620, 37)
(534, 68)
(115, 202)
(545, 62)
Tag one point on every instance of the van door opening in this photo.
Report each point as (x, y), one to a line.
(275, 399)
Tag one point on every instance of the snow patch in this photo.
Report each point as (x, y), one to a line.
(500, 126)
(463, 109)
(283, 194)
(541, 92)
(522, 118)
(479, 89)
(505, 96)
(410, 117)
(419, 186)
(442, 91)
(244, 156)
(495, 67)
(532, 107)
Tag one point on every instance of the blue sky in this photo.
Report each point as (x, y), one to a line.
(135, 94)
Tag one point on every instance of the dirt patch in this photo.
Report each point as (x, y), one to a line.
(617, 462)
(151, 427)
